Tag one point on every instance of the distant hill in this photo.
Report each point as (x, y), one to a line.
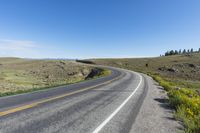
(183, 69)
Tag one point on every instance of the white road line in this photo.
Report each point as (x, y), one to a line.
(118, 109)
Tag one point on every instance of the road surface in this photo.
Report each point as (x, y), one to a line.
(105, 105)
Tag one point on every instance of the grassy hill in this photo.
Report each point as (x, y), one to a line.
(182, 69)
(24, 75)
(179, 75)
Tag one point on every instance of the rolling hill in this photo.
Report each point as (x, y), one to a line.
(24, 75)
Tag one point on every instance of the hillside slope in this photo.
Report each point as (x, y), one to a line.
(182, 69)
(24, 75)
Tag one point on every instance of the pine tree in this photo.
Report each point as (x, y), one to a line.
(199, 50)
(191, 51)
(171, 52)
(184, 51)
(188, 51)
(176, 52)
(166, 53)
(180, 52)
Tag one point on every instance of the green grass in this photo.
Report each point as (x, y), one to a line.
(104, 72)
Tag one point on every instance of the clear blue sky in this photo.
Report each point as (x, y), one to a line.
(97, 28)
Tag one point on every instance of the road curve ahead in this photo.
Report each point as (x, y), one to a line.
(105, 105)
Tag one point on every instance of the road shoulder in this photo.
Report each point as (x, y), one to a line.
(155, 114)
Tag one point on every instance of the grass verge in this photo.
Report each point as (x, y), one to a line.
(185, 101)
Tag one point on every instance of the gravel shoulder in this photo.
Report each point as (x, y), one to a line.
(155, 114)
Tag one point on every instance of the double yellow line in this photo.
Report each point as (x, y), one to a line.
(24, 107)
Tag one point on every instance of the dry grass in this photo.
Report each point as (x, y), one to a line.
(21, 75)
(182, 69)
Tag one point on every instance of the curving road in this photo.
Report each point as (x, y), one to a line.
(106, 105)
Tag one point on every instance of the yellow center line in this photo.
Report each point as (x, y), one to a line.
(24, 107)
(17, 109)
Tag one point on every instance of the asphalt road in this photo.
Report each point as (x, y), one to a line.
(105, 105)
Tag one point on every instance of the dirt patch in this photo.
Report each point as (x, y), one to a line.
(170, 69)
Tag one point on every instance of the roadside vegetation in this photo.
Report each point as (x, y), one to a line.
(25, 75)
(180, 77)
(185, 101)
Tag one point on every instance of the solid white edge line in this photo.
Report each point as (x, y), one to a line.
(118, 109)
